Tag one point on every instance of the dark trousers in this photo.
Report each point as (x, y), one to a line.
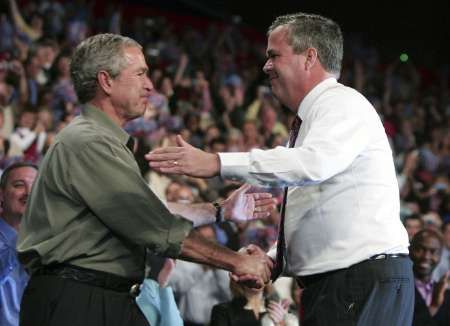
(50, 300)
(371, 293)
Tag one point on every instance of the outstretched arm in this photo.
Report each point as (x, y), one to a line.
(241, 206)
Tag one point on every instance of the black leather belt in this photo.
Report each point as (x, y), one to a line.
(92, 277)
(387, 256)
(304, 281)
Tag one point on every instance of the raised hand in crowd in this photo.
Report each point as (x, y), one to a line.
(278, 311)
(439, 294)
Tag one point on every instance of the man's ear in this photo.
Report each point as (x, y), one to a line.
(105, 81)
(311, 58)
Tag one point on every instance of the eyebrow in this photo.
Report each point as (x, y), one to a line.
(143, 69)
(270, 52)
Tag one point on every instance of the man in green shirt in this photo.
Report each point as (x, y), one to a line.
(91, 216)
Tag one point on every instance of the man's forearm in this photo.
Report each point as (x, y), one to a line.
(199, 214)
(198, 249)
(254, 269)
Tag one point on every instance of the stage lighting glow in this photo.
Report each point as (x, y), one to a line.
(404, 57)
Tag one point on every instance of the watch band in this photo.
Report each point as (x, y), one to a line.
(219, 212)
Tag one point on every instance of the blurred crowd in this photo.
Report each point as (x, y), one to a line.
(209, 87)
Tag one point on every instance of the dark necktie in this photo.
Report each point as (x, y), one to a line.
(281, 245)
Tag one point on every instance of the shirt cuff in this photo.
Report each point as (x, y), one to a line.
(234, 166)
(179, 230)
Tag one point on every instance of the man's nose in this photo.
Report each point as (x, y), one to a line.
(428, 254)
(268, 66)
(148, 85)
(27, 188)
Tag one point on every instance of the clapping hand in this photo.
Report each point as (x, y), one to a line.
(278, 310)
(439, 294)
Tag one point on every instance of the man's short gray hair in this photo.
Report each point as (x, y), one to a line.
(97, 53)
(314, 31)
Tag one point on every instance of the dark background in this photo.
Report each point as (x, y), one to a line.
(420, 29)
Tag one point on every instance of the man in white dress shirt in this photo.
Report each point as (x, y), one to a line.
(343, 238)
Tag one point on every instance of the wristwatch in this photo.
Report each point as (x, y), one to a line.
(219, 212)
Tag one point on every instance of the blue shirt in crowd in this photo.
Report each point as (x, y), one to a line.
(13, 277)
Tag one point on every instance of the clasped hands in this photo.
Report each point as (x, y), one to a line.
(254, 269)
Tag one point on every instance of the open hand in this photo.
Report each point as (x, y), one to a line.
(184, 159)
(242, 206)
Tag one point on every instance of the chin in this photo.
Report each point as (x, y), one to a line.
(138, 113)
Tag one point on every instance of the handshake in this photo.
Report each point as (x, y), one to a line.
(254, 268)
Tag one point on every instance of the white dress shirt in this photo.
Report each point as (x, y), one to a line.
(343, 198)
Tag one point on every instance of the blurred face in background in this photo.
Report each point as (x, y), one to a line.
(425, 254)
(27, 120)
(268, 117)
(15, 194)
(46, 119)
(250, 131)
(171, 191)
(412, 226)
(184, 195)
(64, 67)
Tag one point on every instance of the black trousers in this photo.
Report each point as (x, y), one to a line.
(50, 300)
(371, 293)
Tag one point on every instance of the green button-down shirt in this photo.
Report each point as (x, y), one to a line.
(90, 206)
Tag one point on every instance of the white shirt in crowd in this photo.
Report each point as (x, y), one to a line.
(343, 198)
(24, 138)
(197, 289)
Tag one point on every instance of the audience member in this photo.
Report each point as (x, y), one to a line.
(432, 299)
(15, 186)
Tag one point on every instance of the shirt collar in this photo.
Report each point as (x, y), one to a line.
(428, 286)
(8, 233)
(91, 112)
(425, 290)
(311, 97)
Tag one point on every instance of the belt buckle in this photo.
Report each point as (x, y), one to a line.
(135, 289)
(379, 256)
